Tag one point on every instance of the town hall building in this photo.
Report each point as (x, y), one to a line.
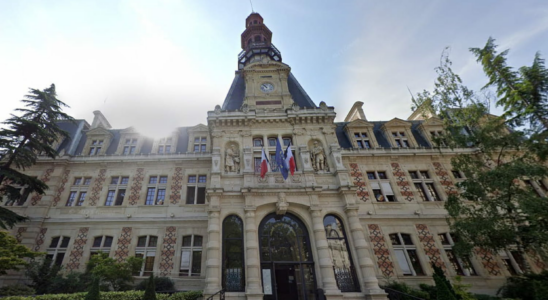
(365, 204)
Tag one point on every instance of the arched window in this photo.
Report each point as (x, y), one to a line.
(345, 273)
(101, 244)
(406, 254)
(233, 254)
(258, 38)
(57, 249)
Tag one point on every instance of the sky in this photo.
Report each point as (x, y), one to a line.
(157, 65)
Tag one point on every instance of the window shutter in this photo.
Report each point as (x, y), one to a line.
(387, 188)
(375, 185)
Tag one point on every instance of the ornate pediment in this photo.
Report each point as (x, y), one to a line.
(198, 128)
(433, 121)
(359, 123)
(129, 130)
(397, 123)
(99, 131)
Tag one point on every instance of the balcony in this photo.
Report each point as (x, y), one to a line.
(258, 48)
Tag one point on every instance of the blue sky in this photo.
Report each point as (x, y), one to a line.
(161, 64)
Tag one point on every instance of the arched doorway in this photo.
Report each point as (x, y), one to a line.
(287, 267)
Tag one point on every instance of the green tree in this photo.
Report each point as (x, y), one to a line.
(117, 276)
(24, 137)
(150, 292)
(13, 254)
(42, 273)
(495, 210)
(94, 292)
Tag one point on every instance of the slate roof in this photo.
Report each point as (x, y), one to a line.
(236, 93)
(345, 142)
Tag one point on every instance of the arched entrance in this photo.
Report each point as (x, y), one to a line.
(287, 267)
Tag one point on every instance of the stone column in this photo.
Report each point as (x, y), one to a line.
(324, 258)
(254, 288)
(213, 250)
(371, 284)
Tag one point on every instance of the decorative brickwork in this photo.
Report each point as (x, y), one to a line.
(489, 262)
(19, 235)
(402, 182)
(123, 244)
(168, 251)
(40, 238)
(381, 251)
(61, 188)
(78, 249)
(429, 245)
(97, 187)
(45, 178)
(445, 180)
(176, 186)
(136, 187)
(357, 176)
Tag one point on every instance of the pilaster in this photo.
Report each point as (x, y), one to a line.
(254, 290)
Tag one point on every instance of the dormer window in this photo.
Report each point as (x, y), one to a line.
(200, 143)
(164, 146)
(130, 146)
(362, 140)
(437, 138)
(96, 146)
(400, 139)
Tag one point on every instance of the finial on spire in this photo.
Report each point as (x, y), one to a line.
(250, 2)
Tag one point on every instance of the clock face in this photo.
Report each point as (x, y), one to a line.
(267, 87)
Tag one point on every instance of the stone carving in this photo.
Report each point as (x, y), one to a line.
(232, 159)
(295, 107)
(323, 106)
(217, 109)
(299, 131)
(281, 205)
(318, 157)
(245, 108)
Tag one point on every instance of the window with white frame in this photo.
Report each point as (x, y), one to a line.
(146, 249)
(400, 139)
(101, 244)
(130, 146)
(513, 261)
(95, 148)
(164, 146)
(200, 144)
(116, 190)
(362, 140)
(57, 249)
(424, 185)
(191, 256)
(461, 265)
(78, 191)
(196, 189)
(382, 190)
(156, 190)
(406, 254)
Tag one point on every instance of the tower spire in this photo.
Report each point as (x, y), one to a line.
(256, 40)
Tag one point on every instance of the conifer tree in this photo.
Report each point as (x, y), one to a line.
(25, 136)
(94, 291)
(150, 292)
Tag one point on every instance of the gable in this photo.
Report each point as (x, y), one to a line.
(433, 121)
(359, 123)
(99, 131)
(397, 123)
(199, 127)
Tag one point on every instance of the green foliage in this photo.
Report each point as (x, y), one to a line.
(190, 295)
(495, 208)
(161, 283)
(117, 276)
(12, 254)
(94, 292)
(443, 291)
(526, 287)
(150, 293)
(126, 295)
(42, 273)
(23, 138)
(404, 288)
(461, 289)
(73, 282)
(16, 290)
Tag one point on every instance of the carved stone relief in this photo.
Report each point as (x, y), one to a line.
(318, 157)
(232, 158)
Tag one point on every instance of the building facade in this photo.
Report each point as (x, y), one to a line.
(366, 203)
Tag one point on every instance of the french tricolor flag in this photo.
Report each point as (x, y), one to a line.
(264, 164)
(289, 159)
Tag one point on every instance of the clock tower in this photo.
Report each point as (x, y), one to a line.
(263, 81)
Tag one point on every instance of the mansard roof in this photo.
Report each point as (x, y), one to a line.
(345, 142)
(236, 94)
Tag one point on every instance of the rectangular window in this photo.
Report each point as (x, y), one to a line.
(191, 256)
(196, 191)
(200, 144)
(117, 190)
(95, 148)
(424, 185)
(71, 198)
(380, 184)
(400, 139)
(406, 254)
(257, 142)
(462, 266)
(78, 191)
(81, 198)
(110, 198)
(87, 181)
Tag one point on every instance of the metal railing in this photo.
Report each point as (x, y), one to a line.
(221, 295)
(397, 295)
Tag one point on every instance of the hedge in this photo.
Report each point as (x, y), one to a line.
(127, 295)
